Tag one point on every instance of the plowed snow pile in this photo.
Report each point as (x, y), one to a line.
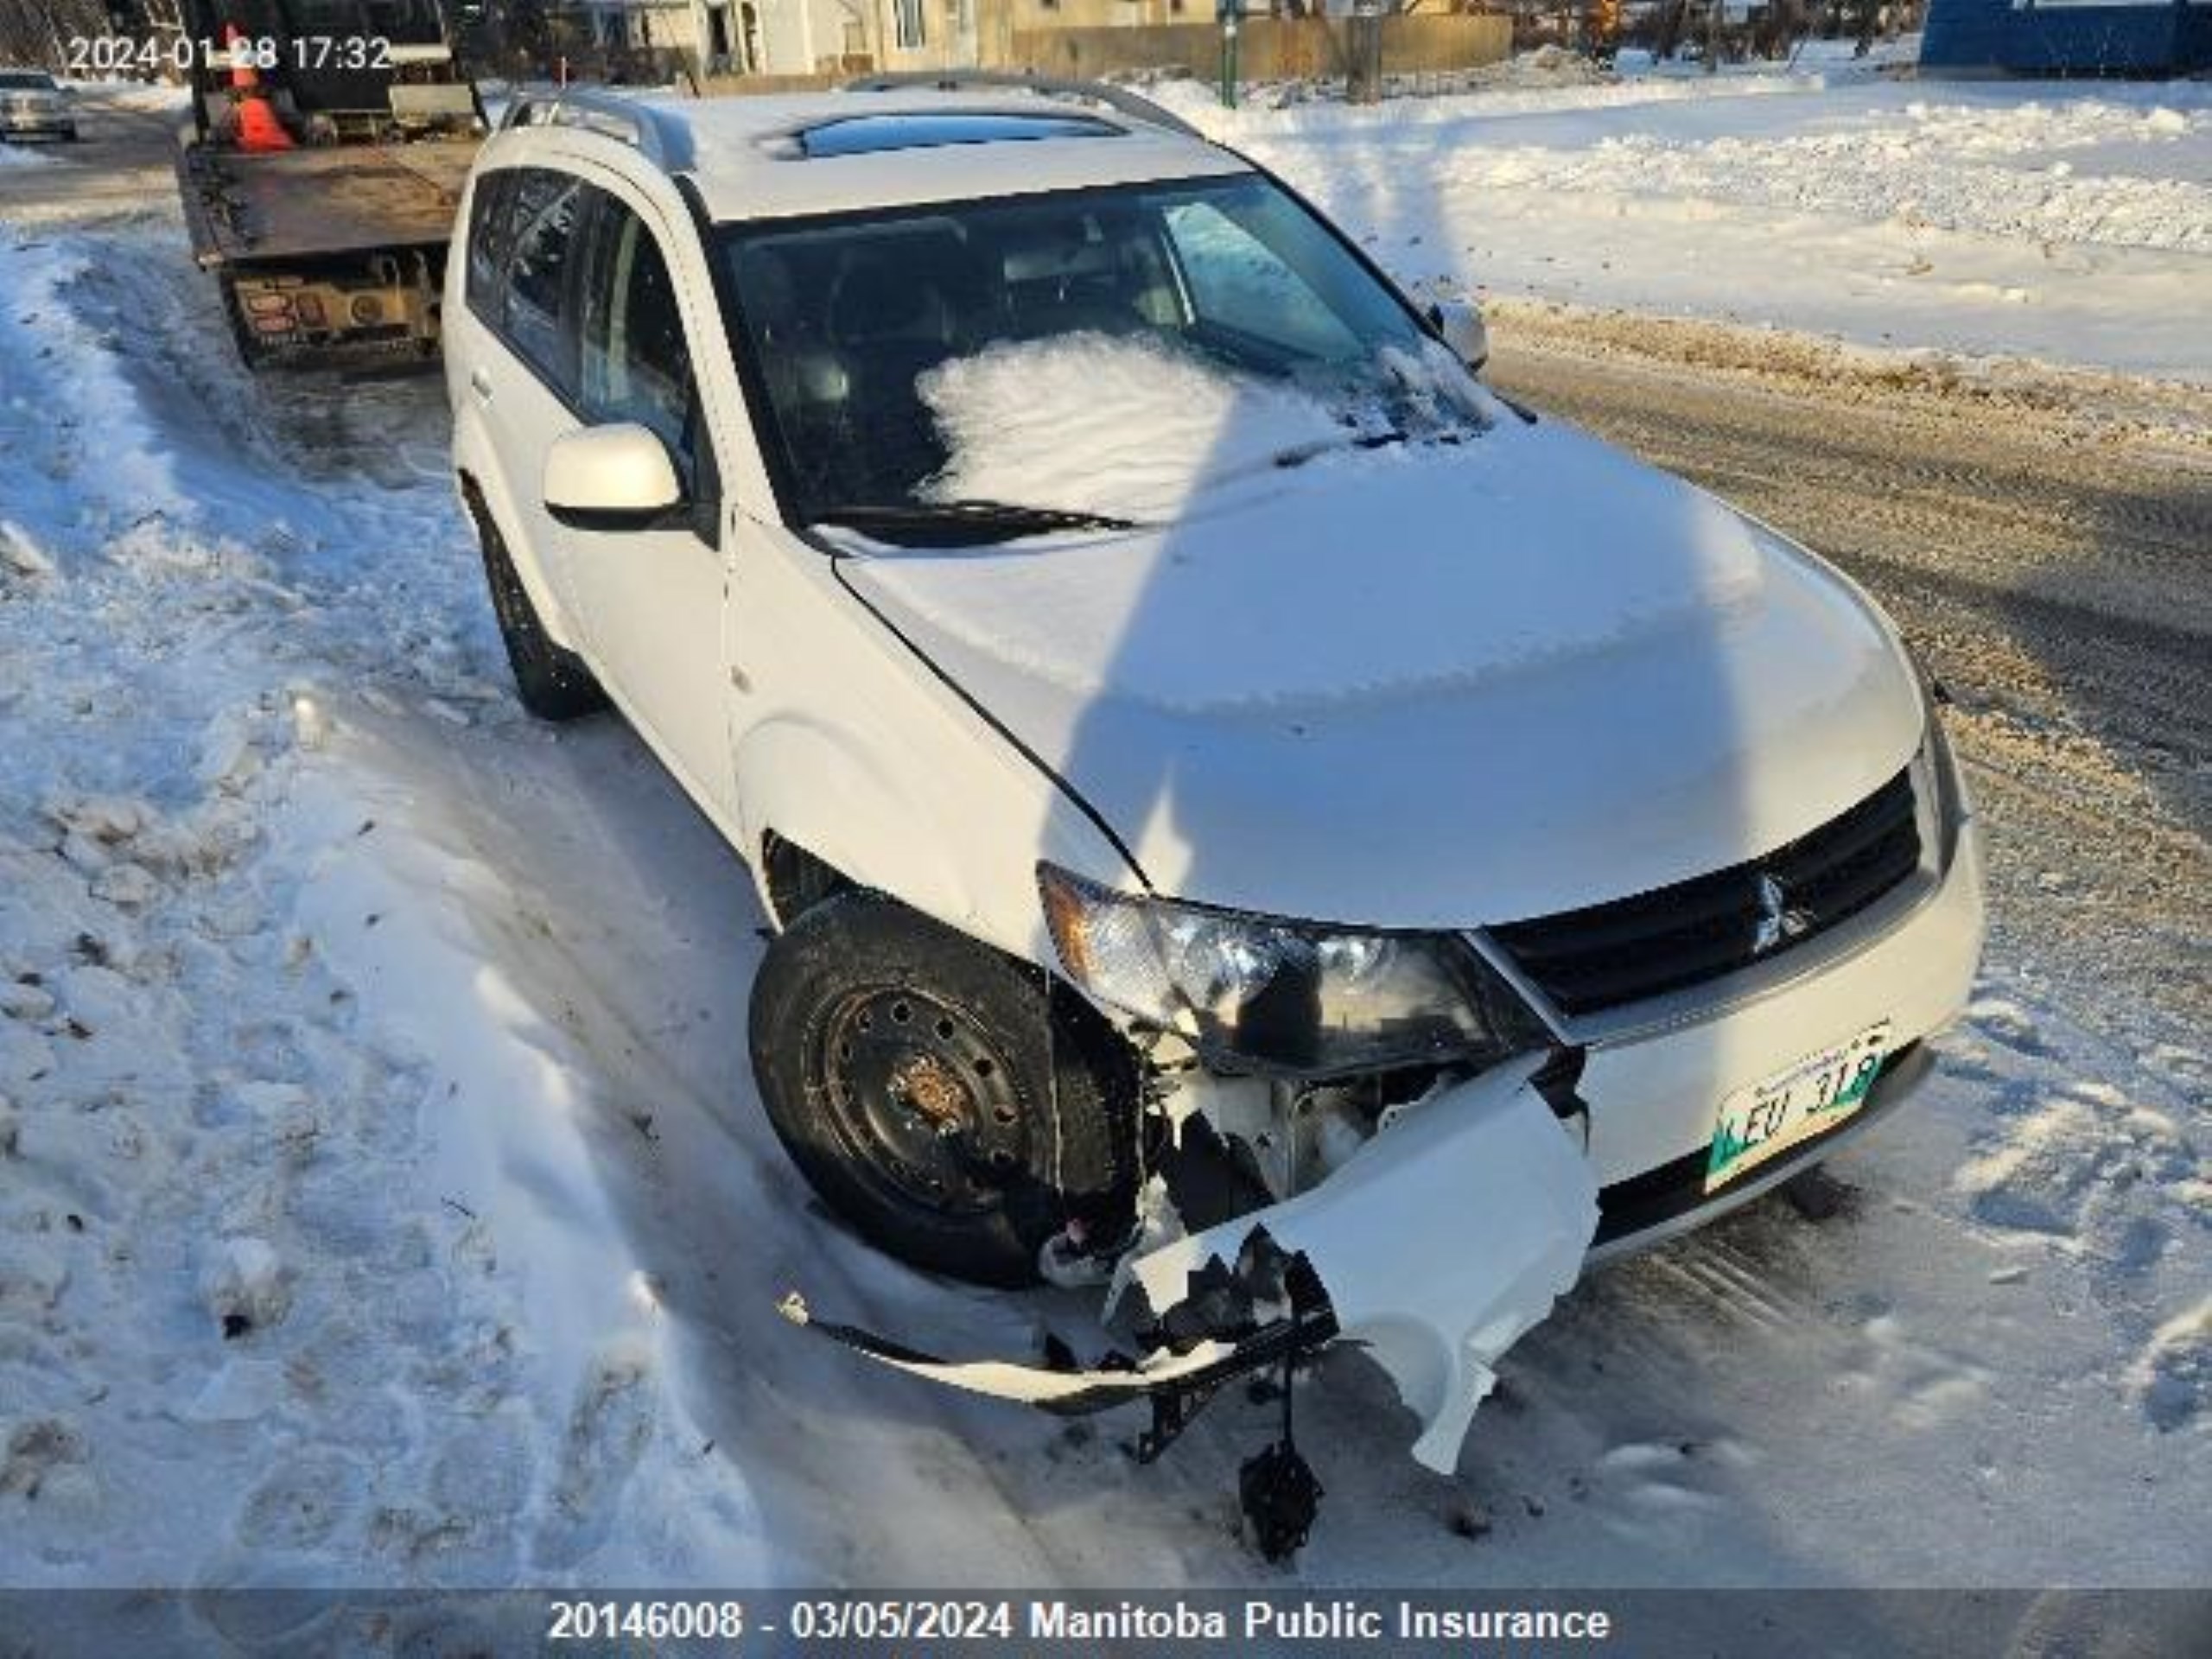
(2012, 218)
(281, 1299)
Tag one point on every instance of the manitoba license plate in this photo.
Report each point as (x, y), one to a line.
(1803, 1100)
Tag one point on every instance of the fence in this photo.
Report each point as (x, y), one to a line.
(767, 85)
(1268, 48)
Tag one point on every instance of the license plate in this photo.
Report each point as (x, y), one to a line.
(1807, 1098)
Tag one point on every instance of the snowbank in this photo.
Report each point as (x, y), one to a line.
(303, 1276)
(2016, 218)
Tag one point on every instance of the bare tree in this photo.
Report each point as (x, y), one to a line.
(39, 31)
(1868, 13)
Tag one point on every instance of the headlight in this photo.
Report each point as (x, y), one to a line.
(1281, 996)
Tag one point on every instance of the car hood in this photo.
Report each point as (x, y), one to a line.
(1423, 686)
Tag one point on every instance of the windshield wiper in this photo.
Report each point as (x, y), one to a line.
(1298, 453)
(958, 524)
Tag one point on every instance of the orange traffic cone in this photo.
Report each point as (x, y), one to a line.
(258, 127)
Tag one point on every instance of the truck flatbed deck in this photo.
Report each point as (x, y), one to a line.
(321, 172)
(245, 209)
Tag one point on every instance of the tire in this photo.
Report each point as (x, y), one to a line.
(953, 1105)
(552, 682)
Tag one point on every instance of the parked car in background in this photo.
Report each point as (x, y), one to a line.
(34, 105)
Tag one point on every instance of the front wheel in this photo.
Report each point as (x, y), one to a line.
(952, 1103)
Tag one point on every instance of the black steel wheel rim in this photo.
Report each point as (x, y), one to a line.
(921, 1096)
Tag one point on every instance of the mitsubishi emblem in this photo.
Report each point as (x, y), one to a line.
(1777, 921)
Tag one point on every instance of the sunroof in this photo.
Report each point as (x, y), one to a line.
(867, 135)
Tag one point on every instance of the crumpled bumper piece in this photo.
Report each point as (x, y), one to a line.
(1441, 1241)
(1435, 1246)
(1070, 1392)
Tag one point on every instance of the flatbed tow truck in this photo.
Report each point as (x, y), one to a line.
(329, 143)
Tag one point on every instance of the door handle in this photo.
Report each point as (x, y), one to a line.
(480, 383)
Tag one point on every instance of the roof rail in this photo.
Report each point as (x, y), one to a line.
(1121, 98)
(595, 109)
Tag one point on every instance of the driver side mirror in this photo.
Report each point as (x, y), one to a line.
(611, 477)
(1459, 325)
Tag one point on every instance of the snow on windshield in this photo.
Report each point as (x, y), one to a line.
(1133, 427)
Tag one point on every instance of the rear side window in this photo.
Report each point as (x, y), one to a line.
(547, 211)
(634, 364)
(491, 227)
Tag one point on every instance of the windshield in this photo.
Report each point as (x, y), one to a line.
(18, 80)
(1094, 357)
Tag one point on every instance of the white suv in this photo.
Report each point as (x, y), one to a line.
(1250, 814)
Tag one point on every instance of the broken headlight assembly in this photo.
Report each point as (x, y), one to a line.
(1287, 999)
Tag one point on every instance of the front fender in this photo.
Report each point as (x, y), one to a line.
(810, 784)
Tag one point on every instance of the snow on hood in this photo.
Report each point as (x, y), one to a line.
(1135, 428)
(1120, 428)
(1294, 557)
(1338, 579)
(1521, 673)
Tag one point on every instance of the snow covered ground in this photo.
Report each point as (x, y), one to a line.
(2071, 224)
(383, 1198)
(18, 154)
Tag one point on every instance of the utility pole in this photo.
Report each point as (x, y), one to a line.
(1226, 11)
(1363, 53)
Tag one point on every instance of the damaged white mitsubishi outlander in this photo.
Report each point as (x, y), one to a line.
(1254, 820)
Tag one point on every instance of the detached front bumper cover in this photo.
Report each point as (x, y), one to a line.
(1435, 1247)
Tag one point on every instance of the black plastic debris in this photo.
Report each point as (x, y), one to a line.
(1279, 1492)
(1280, 1495)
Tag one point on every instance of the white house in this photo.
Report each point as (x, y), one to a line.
(779, 37)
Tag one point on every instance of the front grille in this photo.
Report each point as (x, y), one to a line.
(1588, 960)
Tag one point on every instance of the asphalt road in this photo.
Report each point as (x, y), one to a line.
(2054, 567)
(2056, 574)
